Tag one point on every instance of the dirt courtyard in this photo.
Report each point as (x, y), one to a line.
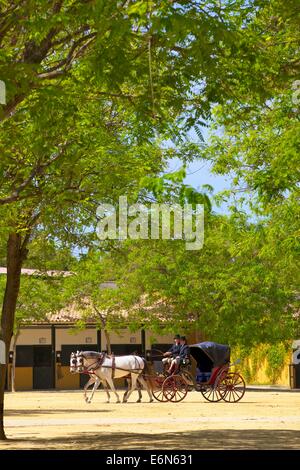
(62, 420)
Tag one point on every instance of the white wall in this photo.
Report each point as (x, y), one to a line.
(152, 338)
(63, 336)
(32, 336)
(125, 337)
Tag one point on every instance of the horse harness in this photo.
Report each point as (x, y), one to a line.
(99, 363)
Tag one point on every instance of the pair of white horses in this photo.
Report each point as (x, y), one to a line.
(104, 368)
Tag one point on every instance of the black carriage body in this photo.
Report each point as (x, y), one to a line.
(209, 355)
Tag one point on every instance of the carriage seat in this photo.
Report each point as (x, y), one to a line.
(202, 377)
(185, 364)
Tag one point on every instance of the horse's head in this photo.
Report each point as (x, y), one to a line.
(80, 361)
(73, 363)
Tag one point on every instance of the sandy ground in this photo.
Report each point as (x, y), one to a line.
(62, 420)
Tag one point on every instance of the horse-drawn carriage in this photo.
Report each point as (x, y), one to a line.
(213, 378)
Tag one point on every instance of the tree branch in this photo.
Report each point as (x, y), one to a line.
(67, 61)
(38, 170)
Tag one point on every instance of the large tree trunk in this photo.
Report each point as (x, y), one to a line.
(108, 345)
(103, 324)
(16, 253)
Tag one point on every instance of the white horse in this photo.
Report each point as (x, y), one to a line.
(106, 368)
(94, 379)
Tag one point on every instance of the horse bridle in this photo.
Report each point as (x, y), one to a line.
(91, 368)
(73, 362)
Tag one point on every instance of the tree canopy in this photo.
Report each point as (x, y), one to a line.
(100, 95)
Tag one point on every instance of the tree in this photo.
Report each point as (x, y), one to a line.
(95, 89)
(91, 290)
(69, 66)
(73, 175)
(255, 138)
(41, 287)
(255, 133)
(233, 290)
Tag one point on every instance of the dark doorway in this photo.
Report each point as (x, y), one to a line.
(155, 355)
(67, 349)
(297, 375)
(158, 349)
(124, 349)
(42, 368)
(24, 356)
(6, 380)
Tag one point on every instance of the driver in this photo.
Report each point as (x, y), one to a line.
(184, 355)
(172, 352)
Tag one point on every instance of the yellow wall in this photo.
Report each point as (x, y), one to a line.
(65, 380)
(24, 378)
(253, 368)
(257, 370)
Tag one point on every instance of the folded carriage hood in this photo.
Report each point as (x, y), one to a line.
(218, 353)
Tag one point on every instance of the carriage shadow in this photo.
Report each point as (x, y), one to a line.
(188, 440)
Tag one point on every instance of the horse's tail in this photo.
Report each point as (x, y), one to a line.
(147, 373)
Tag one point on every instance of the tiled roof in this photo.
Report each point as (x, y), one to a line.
(78, 310)
(67, 315)
(36, 272)
(71, 314)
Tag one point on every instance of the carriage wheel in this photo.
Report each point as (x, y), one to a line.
(188, 378)
(213, 393)
(157, 390)
(235, 387)
(175, 388)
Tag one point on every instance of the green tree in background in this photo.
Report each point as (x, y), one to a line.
(99, 95)
(231, 290)
(92, 88)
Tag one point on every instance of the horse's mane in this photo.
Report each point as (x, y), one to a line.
(91, 353)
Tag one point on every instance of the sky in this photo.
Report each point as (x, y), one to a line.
(199, 173)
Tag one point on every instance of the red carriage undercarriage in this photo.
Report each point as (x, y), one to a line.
(213, 380)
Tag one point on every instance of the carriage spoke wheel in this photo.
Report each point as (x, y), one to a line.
(157, 390)
(235, 387)
(213, 393)
(175, 388)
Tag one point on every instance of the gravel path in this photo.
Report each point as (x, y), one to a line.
(62, 420)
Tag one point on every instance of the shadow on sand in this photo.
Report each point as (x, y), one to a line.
(191, 440)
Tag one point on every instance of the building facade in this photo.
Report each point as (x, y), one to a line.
(43, 353)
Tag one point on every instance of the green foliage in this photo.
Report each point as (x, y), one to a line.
(276, 356)
(100, 96)
(231, 290)
(255, 132)
(41, 293)
(267, 358)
